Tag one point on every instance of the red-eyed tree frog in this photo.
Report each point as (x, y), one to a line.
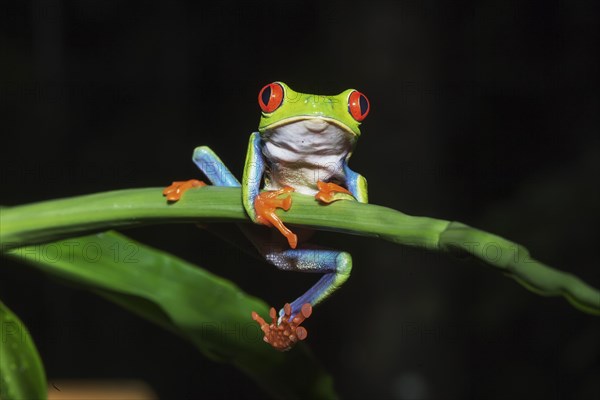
(303, 144)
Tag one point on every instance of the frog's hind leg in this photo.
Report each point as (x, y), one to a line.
(335, 265)
(215, 170)
(285, 331)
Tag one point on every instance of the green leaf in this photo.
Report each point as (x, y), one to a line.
(51, 220)
(55, 219)
(514, 261)
(209, 311)
(21, 369)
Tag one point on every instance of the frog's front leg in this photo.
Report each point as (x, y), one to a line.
(211, 165)
(261, 206)
(215, 170)
(178, 188)
(284, 332)
(357, 188)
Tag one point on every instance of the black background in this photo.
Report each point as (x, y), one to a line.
(481, 112)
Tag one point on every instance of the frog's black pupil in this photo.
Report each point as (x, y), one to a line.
(266, 95)
(364, 105)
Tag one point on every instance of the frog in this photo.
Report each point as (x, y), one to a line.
(303, 145)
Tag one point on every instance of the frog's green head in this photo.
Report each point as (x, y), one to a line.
(281, 105)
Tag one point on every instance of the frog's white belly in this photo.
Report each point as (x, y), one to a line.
(301, 153)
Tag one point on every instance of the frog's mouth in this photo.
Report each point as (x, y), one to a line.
(314, 124)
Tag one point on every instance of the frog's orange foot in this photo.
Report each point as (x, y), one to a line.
(177, 188)
(327, 192)
(285, 334)
(265, 205)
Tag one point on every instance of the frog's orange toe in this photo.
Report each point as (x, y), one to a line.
(327, 190)
(265, 205)
(178, 188)
(284, 335)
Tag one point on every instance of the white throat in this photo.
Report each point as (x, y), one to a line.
(303, 152)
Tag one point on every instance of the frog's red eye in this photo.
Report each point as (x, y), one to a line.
(270, 97)
(358, 105)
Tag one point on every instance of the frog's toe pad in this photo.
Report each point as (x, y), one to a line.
(265, 205)
(177, 188)
(330, 192)
(285, 334)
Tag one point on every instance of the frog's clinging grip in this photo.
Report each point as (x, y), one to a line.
(265, 205)
(261, 206)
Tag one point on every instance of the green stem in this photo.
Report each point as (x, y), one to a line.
(52, 220)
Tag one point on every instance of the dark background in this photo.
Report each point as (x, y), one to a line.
(481, 112)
